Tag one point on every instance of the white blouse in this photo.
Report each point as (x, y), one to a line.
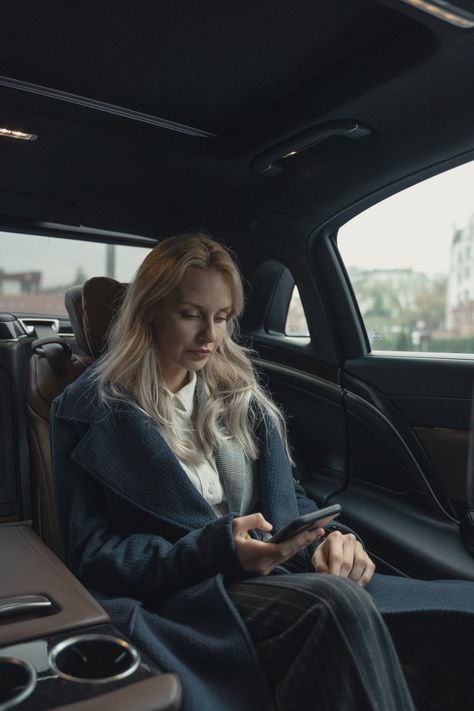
(204, 475)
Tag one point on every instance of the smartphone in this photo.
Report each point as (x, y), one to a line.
(315, 519)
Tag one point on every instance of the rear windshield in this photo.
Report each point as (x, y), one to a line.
(35, 271)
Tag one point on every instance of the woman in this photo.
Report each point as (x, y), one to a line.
(171, 468)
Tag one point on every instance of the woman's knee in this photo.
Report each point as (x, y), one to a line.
(347, 599)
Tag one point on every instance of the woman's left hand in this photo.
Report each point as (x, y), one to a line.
(342, 554)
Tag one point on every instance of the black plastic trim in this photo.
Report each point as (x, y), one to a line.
(88, 103)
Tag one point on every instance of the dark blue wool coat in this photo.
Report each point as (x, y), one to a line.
(138, 534)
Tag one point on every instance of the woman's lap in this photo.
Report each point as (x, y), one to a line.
(430, 622)
(320, 638)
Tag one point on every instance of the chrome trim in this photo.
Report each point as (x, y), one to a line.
(29, 322)
(30, 684)
(23, 603)
(84, 101)
(135, 662)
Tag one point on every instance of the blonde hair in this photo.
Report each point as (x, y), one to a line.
(233, 402)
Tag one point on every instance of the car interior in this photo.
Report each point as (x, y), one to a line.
(271, 126)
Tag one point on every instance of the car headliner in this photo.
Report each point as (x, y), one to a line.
(251, 74)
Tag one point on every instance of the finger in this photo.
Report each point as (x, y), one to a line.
(306, 537)
(319, 561)
(287, 549)
(242, 524)
(334, 546)
(361, 561)
(320, 532)
(367, 575)
(296, 543)
(349, 545)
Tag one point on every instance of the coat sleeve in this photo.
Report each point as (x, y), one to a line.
(140, 565)
(301, 562)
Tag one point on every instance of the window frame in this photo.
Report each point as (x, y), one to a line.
(338, 293)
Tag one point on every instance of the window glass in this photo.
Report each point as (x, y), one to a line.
(296, 320)
(36, 271)
(410, 259)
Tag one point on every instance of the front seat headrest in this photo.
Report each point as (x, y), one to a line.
(91, 309)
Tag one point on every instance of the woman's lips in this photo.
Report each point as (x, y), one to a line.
(199, 354)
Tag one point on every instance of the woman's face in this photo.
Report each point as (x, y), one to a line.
(190, 324)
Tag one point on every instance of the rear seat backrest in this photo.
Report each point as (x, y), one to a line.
(53, 366)
(91, 309)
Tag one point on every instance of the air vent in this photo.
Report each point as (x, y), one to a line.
(40, 327)
(44, 327)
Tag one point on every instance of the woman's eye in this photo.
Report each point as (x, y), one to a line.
(190, 315)
(222, 318)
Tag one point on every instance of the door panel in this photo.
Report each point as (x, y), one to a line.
(354, 446)
(434, 398)
(448, 451)
(316, 423)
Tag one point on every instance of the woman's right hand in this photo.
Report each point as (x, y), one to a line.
(259, 557)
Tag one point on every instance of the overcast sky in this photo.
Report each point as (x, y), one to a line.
(59, 259)
(411, 229)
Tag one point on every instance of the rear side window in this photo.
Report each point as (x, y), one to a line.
(35, 271)
(410, 260)
(296, 324)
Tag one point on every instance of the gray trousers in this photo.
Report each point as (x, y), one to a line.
(322, 643)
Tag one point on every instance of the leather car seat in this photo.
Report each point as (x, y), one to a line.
(91, 309)
(52, 367)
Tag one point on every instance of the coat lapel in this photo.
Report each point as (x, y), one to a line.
(124, 450)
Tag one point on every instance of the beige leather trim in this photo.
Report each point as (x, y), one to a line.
(159, 693)
(29, 567)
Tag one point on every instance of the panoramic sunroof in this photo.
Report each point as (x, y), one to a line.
(210, 65)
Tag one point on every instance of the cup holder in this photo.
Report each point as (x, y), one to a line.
(17, 681)
(94, 659)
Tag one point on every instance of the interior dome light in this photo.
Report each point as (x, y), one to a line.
(449, 12)
(9, 133)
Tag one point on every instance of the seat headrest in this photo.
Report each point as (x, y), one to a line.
(91, 308)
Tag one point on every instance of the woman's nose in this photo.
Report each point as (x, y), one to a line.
(208, 332)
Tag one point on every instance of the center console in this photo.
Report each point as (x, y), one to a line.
(58, 649)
